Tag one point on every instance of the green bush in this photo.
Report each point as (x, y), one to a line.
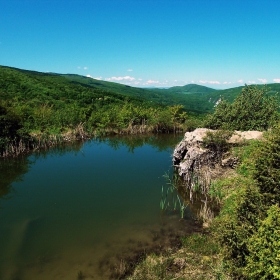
(263, 260)
(11, 129)
(267, 167)
(249, 234)
(9, 123)
(217, 141)
(236, 223)
(253, 109)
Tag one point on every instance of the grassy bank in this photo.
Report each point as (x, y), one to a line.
(14, 142)
(198, 258)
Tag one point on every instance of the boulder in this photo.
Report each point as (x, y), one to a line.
(199, 165)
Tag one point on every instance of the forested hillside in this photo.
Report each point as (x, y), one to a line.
(40, 109)
(202, 99)
(188, 89)
(196, 99)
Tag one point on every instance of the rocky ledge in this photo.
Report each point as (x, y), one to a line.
(199, 165)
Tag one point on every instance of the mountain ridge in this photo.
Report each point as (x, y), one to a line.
(195, 98)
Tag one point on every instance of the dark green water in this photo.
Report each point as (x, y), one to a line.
(85, 208)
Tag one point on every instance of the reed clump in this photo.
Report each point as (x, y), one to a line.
(170, 200)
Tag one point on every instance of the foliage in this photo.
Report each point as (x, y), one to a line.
(267, 166)
(11, 128)
(263, 260)
(236, 224)
(250, 214)
(42, 107)
(253, 109)
(9, 124)
(217, 141)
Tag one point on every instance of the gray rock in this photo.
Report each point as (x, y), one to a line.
(199, 165)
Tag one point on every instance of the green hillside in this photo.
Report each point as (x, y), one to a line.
(110, 86)
(188, 89)
(40, 109)
(44, 87)
(50, 87)
(210, 100)
(167, 97)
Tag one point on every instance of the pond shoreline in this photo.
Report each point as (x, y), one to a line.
(39, 140)
(115, 220)
(165, 242)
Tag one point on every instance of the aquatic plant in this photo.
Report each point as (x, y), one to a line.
(182, 207)
(163, 204)
(170, 199)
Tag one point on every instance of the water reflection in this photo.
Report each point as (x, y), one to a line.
(161, 142)
(87, 209)
(200, 204)
(13, 169)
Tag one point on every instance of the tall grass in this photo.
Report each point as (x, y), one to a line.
(170, 199)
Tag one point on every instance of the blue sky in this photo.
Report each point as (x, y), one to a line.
(162, 43)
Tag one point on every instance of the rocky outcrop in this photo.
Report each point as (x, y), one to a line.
(199, 165)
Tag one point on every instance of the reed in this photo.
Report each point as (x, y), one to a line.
(163, 202)
(170, 199)
(205, 214)
(182, 207)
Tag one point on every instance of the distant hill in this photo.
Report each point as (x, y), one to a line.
(109, 86)
(188, 89)
(195, 98)
(231, 93)
(45, 87)
(49, 86)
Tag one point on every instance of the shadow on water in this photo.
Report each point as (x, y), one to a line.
(11, 170)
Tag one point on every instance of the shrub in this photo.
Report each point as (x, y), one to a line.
(263, 260)
(237, 222)
(217, 141)
(248, 227)
(267, 167)
(253, 109)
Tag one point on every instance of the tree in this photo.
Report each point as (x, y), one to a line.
(11, 129)
(253, 109)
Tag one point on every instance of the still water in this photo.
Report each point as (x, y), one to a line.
(79, 212)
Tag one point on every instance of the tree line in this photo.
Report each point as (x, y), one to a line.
(38, 110)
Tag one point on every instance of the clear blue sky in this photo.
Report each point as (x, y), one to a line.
(216, 43)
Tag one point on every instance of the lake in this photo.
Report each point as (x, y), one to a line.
(82, 211)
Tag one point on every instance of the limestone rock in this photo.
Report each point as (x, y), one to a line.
(199, 165)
